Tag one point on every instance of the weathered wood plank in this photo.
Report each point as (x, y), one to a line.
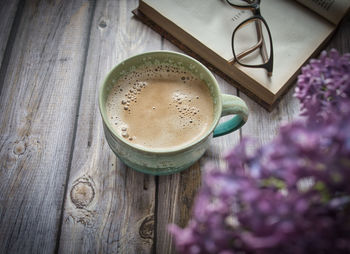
(38, 105)
(108, 208)
(7, 15)
(174, 203)
(262, 125)
(341, 39)
(176, 193)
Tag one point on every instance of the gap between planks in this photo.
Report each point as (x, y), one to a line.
(81, 81)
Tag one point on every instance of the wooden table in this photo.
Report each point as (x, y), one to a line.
(61, 188)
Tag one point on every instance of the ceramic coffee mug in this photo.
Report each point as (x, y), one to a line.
(168, 161)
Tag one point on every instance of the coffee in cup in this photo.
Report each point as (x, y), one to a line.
(160, 107)
(160, 110)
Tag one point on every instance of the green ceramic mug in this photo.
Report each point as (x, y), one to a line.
(168, 161)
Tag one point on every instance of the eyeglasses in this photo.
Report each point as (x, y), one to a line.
(251, 39)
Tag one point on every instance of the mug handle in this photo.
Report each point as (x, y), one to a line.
(231, 105)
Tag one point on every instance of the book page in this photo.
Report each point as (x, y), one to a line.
(210, 21)
(333, 10)
(296, 33)
(206, 26)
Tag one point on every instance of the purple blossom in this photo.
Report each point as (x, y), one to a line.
(324, 86)
(291, 195)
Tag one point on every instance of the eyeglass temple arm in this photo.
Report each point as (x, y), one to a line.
(259, 44)
(261, 40)
(263, 50)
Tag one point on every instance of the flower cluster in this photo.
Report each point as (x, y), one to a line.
(324, 86)
(291, 195)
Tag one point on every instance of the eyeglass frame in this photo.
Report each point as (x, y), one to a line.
(255, 8)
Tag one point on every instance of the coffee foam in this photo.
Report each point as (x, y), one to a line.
(160, 107)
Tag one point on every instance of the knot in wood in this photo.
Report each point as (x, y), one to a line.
(147, 227)
(102, 24)
(82, 194)
(19, 148)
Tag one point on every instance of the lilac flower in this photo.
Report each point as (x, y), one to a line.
(291, 195)
(324, 86)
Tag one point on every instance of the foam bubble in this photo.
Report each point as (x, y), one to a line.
(133, 83)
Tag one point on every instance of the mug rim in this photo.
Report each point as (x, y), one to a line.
(160, 150)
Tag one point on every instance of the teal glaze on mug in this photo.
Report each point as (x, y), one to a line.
(169, 161)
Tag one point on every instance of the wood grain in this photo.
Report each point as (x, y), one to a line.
(341, 38)
(174, 203)
(7, 15)
(53, 154)
(38, 105)
(108, 208)
(262, 126)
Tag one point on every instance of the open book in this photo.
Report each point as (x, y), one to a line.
(204, 27)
